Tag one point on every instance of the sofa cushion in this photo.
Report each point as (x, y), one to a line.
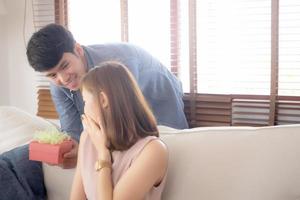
(234, 163)
(17, 127)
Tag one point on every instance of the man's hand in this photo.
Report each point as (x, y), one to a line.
(70, 158)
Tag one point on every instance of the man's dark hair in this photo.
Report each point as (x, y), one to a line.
(47, 46)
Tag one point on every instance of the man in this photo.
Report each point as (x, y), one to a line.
(53, 51)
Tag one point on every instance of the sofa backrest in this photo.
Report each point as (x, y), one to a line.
(233, 163)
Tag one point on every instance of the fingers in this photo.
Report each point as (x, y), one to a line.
(70, 154)
(73, 152)
(84, 122)
(70, 158)
(69, 163)
(89, 124)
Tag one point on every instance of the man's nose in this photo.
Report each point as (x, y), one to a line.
(63, 78)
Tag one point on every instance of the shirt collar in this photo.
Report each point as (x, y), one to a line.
(89, 60)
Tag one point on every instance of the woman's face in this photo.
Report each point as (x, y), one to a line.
(91, 108)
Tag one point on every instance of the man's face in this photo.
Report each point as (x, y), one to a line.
(69, 71)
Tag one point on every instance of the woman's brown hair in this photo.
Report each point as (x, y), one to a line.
(128, 117)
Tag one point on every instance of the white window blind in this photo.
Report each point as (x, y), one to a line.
(233, 46)
(149, 27)
(184, 46)
(95, 22)
(289, 48)
(43, 14)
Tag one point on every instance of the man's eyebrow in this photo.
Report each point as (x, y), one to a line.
(60, 66)
(63, 63)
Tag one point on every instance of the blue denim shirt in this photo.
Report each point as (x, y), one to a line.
(161, 88)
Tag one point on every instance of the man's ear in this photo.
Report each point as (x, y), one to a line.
(78, 50)
(103, 100)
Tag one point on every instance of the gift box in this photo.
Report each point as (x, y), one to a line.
(49, 153)
(49, 145)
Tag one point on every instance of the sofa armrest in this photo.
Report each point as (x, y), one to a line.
(58, 181)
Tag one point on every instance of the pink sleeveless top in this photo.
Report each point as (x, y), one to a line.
(122, 161)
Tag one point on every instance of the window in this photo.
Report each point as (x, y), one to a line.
(238, 60)
(100, 22)
(149, 27)
(95, 22)
(289, 48)
(233, 46)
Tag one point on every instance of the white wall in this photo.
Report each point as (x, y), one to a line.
(19, 76)
(4, 73)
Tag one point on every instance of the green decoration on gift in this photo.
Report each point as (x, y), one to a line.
(51, 136)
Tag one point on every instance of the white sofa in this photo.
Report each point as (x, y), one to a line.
(215, 163)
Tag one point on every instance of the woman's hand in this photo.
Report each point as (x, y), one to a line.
(98, 137)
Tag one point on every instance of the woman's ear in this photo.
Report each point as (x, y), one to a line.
(103, 100)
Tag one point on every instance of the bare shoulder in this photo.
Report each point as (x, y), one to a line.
(155, 156)
(156, 150)
(147, 171)
(157, 146)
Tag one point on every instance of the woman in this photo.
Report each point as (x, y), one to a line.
(120, 154)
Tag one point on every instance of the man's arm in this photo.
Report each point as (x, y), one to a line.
(70, 122)
(68, 113)
(162, 90)
(164, 99)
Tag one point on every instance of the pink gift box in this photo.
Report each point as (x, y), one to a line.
(49, 153)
